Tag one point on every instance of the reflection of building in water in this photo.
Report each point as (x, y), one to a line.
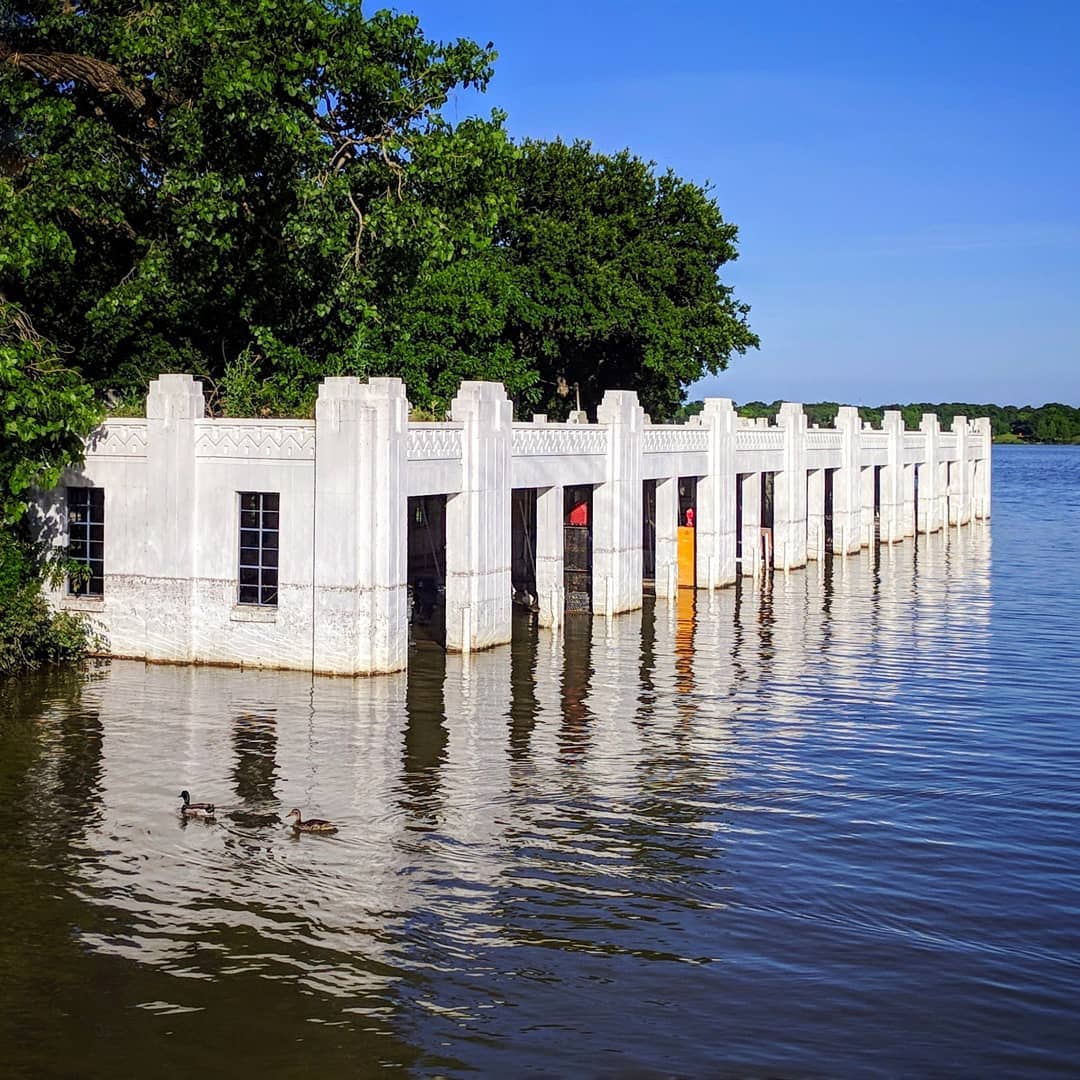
(623, 743)
(684, 640)
(524, 703)
(254, 738)
(576, 678)
(425, 741)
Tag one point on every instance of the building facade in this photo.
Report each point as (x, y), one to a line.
(295, 543)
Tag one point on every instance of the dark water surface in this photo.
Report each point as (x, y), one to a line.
(823, 827)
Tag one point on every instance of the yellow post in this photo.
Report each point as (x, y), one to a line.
(687, 557)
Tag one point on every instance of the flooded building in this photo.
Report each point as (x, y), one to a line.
(315, 544)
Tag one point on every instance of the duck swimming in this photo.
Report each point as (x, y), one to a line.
(203, 810)
(318, 825)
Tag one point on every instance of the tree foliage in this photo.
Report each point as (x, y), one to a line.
(602, 274)
(209, 182)
(618, 280)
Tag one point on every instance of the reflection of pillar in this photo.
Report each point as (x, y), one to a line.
(847, 489)
(892, 480)
(815, 514)
(617, 507)
(549, 555)
(477, 701)
(929, 475)
(667, 529)
(789, 492)
(478, 585)
(716, 498)
(750, 486)
(612, 699)
(361, 533)
(173, 406)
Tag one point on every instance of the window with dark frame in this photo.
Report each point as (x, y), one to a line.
(259, 548)
(86, 539)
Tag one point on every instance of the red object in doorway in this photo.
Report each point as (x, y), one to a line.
(690, 517)
(579, 515)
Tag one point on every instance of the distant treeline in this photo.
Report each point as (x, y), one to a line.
(1050, 423)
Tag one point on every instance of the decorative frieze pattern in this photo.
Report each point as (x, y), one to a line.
(556, 440)
(823, 440)
(759, 438)
(434, 442)
(674, 439)
(118, 438)
(255, 439)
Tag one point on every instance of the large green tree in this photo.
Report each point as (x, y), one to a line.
(208, 184)
(604, 273)
(618, 277)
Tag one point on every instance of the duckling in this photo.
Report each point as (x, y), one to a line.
(312, 824)
(201, 810)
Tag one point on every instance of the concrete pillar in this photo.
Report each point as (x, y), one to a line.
(715, 519)
(617, 507)
(750, 486)
(478, 553)
(892, 480)
(174, 404)
(361, 527)
(907, 492)
(815, 514)
(789, 491)
(960, 495)
(981, 486)
(847, 484)
(929, 476)
(667, 537)
(550, 567)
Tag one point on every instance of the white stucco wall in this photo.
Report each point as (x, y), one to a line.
(172, 484)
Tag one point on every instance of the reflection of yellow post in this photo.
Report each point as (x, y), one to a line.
(685, 607)
(687, 561)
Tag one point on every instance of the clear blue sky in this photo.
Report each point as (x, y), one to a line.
(905, 176)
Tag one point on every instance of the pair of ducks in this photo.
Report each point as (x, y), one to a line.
(203, 811)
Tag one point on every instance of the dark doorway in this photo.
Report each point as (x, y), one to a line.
(829, 475)
(738, 519)
(523, 548)
(577, 547)
(427, 567)
(648, 531)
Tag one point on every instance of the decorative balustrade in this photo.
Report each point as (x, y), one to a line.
(759, 438)
(674, 439)
(823, 440)
(273, 439)
(556, 440)
(118, 438)
(434, 442)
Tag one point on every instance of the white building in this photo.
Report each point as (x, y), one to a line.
(286, 543)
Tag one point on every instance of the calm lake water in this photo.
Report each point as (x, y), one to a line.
(827, 826)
